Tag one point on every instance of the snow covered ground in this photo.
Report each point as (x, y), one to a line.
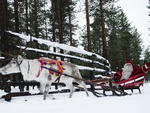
(80, 103)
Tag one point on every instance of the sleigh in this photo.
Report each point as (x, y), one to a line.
(119, 88)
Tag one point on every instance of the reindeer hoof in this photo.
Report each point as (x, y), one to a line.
(53, 98)
(8, 98)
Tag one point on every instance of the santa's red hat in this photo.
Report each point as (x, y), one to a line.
(128, 61)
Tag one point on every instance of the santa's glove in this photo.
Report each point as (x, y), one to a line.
(146, 67)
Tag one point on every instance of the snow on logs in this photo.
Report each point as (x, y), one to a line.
(102, 63)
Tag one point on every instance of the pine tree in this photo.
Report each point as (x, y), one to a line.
(124, 40)
(113, 36)
(66, 8)
(121, 37)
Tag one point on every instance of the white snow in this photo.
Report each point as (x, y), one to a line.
(57, 45)
(80, 103)
(89, 68)
(64, 47)
(66, 55)
(2, 57)
(55, 53)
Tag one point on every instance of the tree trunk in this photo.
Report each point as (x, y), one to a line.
(16, 16)
(3, 26)
(70, 26)
(36, 22)
(60, 21)
(103, 30)
(59, 3)
(89, 48)
(54, 2)
(27, 19)
(46, 31)
(70, 30)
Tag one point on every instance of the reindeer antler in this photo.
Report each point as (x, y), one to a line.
(21, 50)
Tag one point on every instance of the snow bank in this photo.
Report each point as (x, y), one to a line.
(80, 103)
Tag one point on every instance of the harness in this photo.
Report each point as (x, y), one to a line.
(50, 63)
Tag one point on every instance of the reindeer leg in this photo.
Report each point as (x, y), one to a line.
(71, 91)
(84, 86)
(47, 87)
(42, 86)
(45, 91)
(71, 87)
(76, 73)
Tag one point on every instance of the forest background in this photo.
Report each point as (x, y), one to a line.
(56, 20)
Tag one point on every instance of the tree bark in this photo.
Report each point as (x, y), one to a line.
(70, 26)
(36, 22)
(3, 26)
(16, 16)
(54, 2)
(46, 30)
(103, 30)
(60, 21)
(59, 3)
(89, 48)
(27, 19)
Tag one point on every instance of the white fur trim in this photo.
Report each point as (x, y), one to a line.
(143, 70)
(146, 66)
(127, 71)
(137, 79)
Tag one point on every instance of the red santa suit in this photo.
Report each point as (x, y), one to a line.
(129, 70)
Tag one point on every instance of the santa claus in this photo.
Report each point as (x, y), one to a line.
(129, 70)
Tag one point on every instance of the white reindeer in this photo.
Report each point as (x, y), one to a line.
(30, 69)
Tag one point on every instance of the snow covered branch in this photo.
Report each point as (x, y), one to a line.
(57, 45)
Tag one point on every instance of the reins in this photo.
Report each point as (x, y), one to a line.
(86, 81)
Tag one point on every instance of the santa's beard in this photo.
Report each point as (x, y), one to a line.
(127, 70)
